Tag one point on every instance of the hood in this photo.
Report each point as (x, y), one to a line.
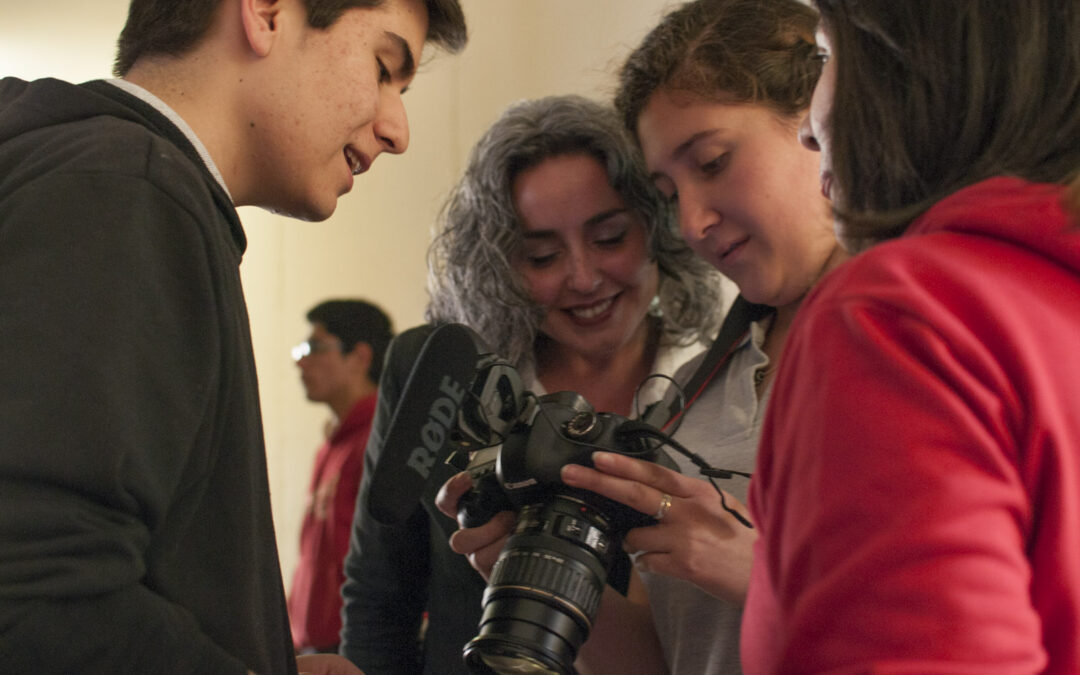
(29, 107)
(1028, 215)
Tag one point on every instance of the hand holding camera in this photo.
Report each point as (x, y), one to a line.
(697, 538)
(481, 545)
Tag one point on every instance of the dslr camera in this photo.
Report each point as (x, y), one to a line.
(546, 586)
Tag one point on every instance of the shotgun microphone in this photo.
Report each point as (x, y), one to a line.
(426, 416)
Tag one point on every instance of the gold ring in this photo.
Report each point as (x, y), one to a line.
(665, 504)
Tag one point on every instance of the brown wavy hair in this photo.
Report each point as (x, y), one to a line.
(735, 51)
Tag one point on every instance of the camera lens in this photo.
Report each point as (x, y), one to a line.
(544, 592)
(516, 663)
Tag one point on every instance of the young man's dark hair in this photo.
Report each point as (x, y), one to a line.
(353, 321)
(172, 27)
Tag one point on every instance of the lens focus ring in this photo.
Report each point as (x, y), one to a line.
(564, 581)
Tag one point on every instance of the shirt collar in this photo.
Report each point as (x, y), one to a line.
(164, 109)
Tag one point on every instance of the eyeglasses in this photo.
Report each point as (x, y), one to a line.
(309, 347)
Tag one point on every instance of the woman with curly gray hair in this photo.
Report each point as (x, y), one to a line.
(556, 248)
(483, 267)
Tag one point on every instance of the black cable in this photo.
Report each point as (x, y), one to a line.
(642, 430)
(632, 430)
(641, 415)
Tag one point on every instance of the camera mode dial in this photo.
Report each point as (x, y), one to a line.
(581, 426)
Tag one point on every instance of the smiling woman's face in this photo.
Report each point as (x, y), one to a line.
(585, 256)
(747, 191)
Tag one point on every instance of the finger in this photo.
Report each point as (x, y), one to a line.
(726, 576)
(683, 533)
(663, 563)
(652, 562)
(483, 561)
(450, 493)
(648, 473)
(472, 539)
(652, 499)
(482, 545)
(631, 493)
(650, 539)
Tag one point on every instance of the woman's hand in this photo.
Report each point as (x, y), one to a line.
(481, 545)
(696, 540)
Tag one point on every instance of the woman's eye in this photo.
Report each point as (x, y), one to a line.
(384, 72)
(611, 239)
(821, 55)
(540, 260)
(716, 165)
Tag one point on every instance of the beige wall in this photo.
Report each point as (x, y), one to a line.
(374, 245)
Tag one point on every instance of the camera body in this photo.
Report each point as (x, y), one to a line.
(546, 586)
(525, 468)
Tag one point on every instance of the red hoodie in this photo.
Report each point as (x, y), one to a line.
(315, 599)
(918, 483)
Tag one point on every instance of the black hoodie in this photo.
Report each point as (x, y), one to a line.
(135, 525)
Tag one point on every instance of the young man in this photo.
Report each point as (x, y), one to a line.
(135, 525)
(340, 365)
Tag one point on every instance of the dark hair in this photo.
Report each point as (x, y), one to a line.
(932, 97)
(355, 321)
(472, 279)
(744, 51)
(172, 27)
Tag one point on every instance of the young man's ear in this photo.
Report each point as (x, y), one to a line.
(363, 353)
(260, 21)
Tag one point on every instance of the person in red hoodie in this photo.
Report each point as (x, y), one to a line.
(918, 483)
(340, 364)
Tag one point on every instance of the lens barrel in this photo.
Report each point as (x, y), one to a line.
(544, 591)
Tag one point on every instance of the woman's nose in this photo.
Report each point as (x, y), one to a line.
(584, 273)
(806, 135)
(696, 215)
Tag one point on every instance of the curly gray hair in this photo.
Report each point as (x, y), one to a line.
(471, 277)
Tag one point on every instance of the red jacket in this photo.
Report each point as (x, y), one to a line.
(315, 599)
(918, 484)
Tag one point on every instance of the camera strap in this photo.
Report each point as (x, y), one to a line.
(733, 331)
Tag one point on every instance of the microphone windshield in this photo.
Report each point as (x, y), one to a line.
(427, 412)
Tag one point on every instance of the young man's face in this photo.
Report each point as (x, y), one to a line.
(327, 373)
(330, 103)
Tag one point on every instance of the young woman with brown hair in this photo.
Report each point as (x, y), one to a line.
(918, 485)
(714, 96)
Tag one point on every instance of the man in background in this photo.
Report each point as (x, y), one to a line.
(340, 364)
(135, 524)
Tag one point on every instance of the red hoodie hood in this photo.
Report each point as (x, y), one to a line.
(1029, 215)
